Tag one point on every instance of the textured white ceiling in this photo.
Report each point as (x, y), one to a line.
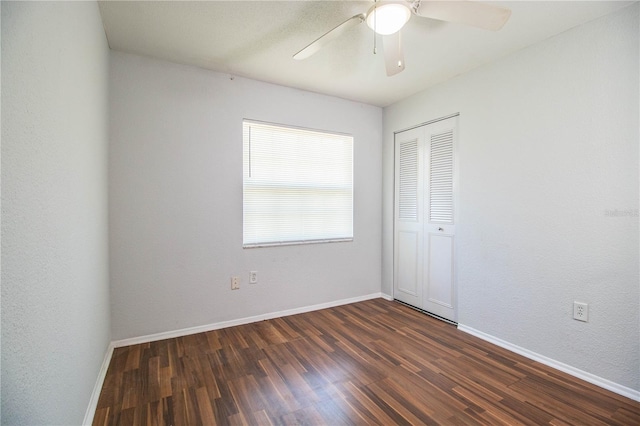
(257, 39)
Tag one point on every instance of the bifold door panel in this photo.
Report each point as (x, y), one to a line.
(408, 229)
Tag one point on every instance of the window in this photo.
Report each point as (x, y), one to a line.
(297, 185)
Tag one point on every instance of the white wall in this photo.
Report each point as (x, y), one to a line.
(55, 295)
(548, 143)
(175, 200)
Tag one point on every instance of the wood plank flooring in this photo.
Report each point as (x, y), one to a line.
(373, 362)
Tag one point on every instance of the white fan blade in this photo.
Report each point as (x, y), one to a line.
(329, 36)
(476, 14)
(393, 53)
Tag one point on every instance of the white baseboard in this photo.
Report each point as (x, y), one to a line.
(97, 388)
(587, 377)
(241, 321)
(386, 297)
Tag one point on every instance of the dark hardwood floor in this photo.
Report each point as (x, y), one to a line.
(373, 362)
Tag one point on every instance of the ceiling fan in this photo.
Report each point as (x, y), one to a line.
(388, 17)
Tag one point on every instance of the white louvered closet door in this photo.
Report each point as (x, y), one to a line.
(408, 226)
(439, 295)
(432, 229)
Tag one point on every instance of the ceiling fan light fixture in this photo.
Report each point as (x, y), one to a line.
(388, 18)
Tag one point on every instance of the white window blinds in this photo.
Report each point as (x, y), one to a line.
(297, 185)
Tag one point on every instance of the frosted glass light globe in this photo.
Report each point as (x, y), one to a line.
(388, 18)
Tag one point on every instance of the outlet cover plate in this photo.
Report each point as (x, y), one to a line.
(253, 277)
(580, 311)
(235, 283)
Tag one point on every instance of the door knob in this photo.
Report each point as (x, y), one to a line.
(440, 229)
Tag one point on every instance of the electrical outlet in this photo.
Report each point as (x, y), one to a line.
(580, 311)
(235, 283)
(253, 277)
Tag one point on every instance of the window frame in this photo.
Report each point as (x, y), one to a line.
(246, 174)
